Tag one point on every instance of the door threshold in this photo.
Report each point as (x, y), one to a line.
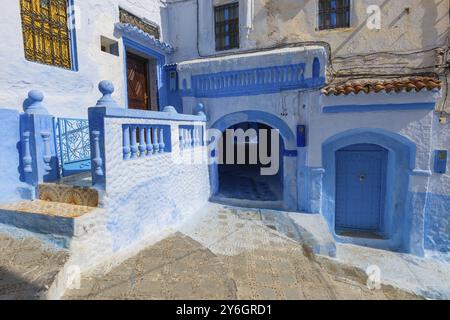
(365, 234)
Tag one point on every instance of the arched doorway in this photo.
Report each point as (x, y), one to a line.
(361, 190)
(397, 230)
(242, 160)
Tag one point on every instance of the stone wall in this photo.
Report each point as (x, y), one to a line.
(150, 194)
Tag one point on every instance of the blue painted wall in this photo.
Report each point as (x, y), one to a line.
(437, 222)
(12, 187)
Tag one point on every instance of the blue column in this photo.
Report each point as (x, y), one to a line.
(40, 162)
(97, 133)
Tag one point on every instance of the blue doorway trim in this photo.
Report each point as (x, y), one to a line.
(401, 161)
(133, 46)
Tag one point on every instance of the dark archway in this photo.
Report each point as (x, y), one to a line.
(242, 178)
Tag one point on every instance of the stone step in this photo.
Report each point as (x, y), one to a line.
(43, 217)
(76, 193)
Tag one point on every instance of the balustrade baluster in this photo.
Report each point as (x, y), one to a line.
(162, 145)
(155, 140)
(134, 148)
(27, 160)
(149, 141)
(142, 145)
(126, 142)
(47, 155)
(97, 160)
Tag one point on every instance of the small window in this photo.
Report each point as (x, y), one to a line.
(46, 34)
(227, 26)
(334, 14)
(109, 46)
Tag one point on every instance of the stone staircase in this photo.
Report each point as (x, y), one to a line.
(57, 208)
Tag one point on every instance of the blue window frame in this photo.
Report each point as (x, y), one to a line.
(334, 14)
(227, 26)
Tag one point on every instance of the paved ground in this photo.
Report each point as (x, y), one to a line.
(227, 253)
(429, 278)
(27, 268)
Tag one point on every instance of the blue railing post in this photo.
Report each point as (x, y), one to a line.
(39, 162)
(97, 133)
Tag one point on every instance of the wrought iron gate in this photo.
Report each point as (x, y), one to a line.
(74, 151)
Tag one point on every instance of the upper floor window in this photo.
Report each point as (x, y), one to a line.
(46, 34)
(227, 26)
(334, 14)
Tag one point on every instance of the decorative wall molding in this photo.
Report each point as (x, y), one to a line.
(378, 107)
(137, 34)
(251, 82)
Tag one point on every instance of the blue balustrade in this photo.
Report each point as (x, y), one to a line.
(253, 81)
(191, 136)
(152, 140)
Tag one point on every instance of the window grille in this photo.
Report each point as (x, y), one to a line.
(334, 14)
(46, 34)
(227, 26)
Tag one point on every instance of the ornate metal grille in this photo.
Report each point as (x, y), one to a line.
(334, 14)
(150, 28)
(46, 35)
(74, 148)
(227, 26)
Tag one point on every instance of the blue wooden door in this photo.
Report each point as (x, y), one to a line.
(360, 187)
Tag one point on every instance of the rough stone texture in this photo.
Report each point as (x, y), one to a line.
(27, 268)
(149, 194)
(229, 254)
(426, 277)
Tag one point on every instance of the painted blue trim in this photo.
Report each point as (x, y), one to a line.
(143, 114)
(271, 120)
(173, 96)
(401, 161)
(130, 31)
(251, 82)
(129, 44)
(290, 153)
(421, 173)
(378, 107)
(73, 35)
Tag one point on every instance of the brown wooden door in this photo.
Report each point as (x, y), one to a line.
(137, 81)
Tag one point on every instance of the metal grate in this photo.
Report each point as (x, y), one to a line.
(334, 14)
(46, 35)
(74, 149)
(227, 26)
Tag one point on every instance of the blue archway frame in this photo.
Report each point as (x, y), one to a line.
(261, 117)
(289, 145)
(401, 163)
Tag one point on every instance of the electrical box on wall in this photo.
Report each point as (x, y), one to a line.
(301, 136)
(440, 161)
(173, 80)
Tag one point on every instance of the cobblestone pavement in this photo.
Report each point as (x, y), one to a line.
(227, 253)
(27, 268)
